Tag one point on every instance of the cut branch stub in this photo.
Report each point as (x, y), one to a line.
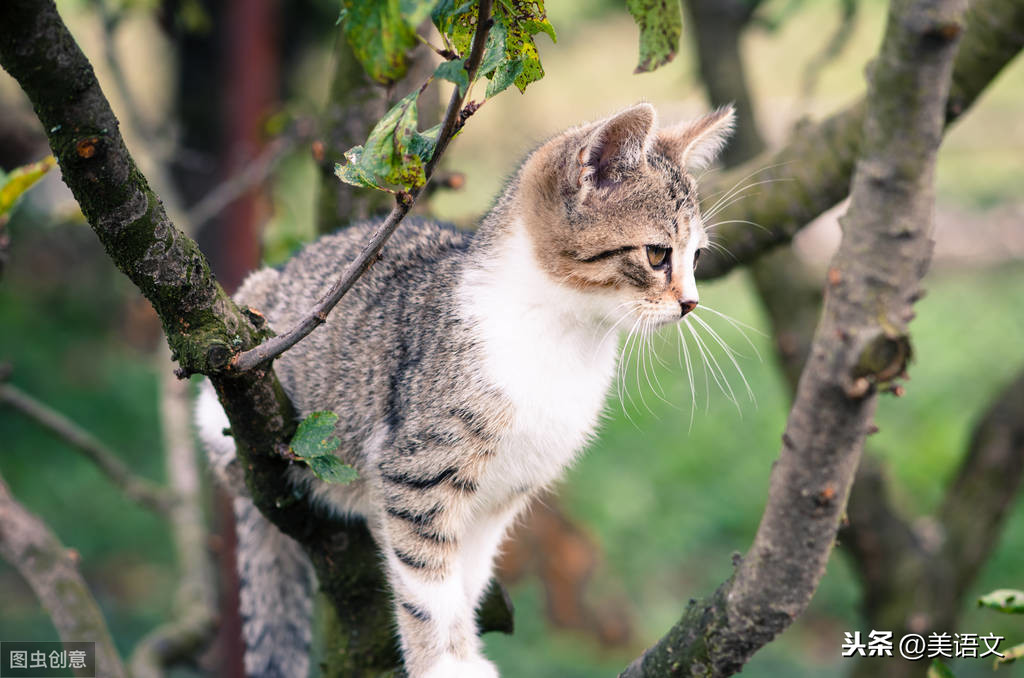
(883, 359)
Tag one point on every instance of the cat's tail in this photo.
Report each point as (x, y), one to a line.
(275, 577)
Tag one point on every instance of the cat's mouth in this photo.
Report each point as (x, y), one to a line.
(660, 314)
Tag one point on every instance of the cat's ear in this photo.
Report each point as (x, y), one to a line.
(618, 144)
(696, 143)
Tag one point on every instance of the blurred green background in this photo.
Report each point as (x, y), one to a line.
(665, 504)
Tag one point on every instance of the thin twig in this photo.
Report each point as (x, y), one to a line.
(255, 172)
(141, 491)
(453, 120)
(52, 571)
(191, 629)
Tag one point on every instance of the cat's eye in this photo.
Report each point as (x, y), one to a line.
(696, 257)
(657, 256)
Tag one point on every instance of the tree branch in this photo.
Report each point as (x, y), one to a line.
(191, 629)
(51, 570)
(860, 345)
(812, 172)
(143, 492)
(719, 24)
(254, 173)
(202, 324)
(453, 120)
(975, 506)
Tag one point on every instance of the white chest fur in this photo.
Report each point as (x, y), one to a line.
(548, 348)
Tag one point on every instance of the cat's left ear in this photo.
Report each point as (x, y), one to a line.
(696, 143)
(616, 146)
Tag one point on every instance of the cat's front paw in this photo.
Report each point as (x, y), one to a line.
(453, 667)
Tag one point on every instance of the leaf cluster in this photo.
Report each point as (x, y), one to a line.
(396, 153)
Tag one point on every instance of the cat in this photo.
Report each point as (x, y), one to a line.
(469, 371)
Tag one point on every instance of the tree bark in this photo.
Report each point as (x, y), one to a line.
(812, 172)
(860, 346)
(52, 572)
(203, 326)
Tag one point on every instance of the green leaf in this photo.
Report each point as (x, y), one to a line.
(939, 670)
(423, 143)
(380, 33)
(1009, 656)
(457, 20)
(661, 26)
(522, 19)
(454, 71)
(315, 435)
(504, 76)
(1004, 600)
(494, 50)
(387, 151)
(390, 155)
(353, 172)
(331, 469)
(14, 184)
(314, 442)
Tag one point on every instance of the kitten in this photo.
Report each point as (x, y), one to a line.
(468, 371)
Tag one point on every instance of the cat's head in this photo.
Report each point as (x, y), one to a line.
(611, 208)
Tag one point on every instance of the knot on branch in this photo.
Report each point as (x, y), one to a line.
(88, 147)
(880, 362)
(204, 353)
(943, 32)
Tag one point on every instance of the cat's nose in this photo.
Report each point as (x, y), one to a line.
(687, 306)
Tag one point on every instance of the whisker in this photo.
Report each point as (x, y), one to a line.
(704, 364)
(722, 248)
(723, 384)
(641, 364)
(740, 194)
(623, 316)
(749, 176)
(652, 356)
(731, 354)
(739, 327)
(689, 372)
(623, 365)
(708, 227)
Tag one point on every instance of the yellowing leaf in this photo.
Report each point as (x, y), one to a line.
(661, 26)
(1009, 601)
(15, 184)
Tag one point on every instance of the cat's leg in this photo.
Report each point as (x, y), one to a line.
(482, 542)
(421, 532)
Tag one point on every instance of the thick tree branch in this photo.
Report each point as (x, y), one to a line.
(52, 572)
(861, 345)
(887, 552)
(812, 172)
(202, 324)
(453, 120)
(142, 491)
